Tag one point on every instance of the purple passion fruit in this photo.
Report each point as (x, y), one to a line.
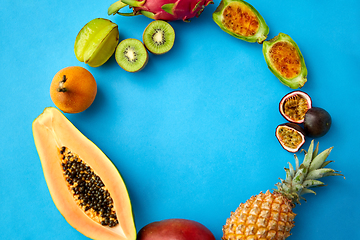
(175, 229)
(285, 61)
(241, 20)
(317, 122)
(96, 42)
(294, 105)
(291, 136)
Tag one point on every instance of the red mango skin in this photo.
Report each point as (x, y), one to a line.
(175, 229)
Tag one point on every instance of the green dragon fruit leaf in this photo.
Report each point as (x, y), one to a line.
(134, 3)
(115, 7)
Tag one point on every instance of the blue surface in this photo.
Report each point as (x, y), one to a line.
(192, 133)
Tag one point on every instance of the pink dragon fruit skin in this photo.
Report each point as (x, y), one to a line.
(168, 10)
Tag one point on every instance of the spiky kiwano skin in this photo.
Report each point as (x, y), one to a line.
(167, 10)
(270, 215)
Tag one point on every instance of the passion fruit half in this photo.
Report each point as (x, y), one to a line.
(285, 60)
(241, 20)
(317, 122)
(291, 136)
(293, 106)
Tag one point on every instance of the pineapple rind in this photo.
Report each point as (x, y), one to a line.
(264, 216)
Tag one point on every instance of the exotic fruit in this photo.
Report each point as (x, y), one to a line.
(96, 42)
(269, 215)
(84, 184)
(175, 229)
(285, 60)
(241, 20)
(167, 10)
(73, 89)
(317, 122)
(293, 106)
(291, 136)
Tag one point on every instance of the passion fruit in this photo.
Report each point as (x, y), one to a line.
(293, 106)
(291, 136)
(317, 122)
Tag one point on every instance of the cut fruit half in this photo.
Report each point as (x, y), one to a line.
(241, 20)
(159, 37)
(285, 60)
(293, 106)
(84, 184)
(96, 42)
(291, 136)
(131, 55)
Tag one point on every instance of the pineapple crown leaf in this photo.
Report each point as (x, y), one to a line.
(298, 181)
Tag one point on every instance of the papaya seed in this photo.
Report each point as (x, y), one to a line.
(87, 188)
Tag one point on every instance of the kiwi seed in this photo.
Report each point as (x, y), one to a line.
(131, 55)
(159, 37)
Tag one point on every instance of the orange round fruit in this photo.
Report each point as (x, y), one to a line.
(73, 89)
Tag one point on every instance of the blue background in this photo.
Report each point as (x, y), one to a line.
(193, 133)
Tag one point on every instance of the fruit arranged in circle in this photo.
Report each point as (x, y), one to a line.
(291, 136)
(73, 89)
(96, 42)
(269, 215)
(294, 105)
(167, 10)
(84, 184)
(175, 229)
(317, 122)
(159, 37)
(241, 20)
(285, 60)
(131, 55)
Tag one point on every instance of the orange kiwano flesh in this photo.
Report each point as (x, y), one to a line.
(285, 59)
(73, 89)
(241, 20)
(84, 184)
(238, 18)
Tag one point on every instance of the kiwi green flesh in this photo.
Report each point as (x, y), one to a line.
(131, 55)
(159, 37)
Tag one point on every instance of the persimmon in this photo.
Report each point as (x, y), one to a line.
(73, 89)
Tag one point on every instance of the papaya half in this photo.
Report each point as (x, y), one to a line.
(84, 184)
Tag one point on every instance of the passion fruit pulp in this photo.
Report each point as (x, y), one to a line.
(290, 136)
(294, 105)
(317, 122)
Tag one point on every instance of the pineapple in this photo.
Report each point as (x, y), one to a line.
(269, 215)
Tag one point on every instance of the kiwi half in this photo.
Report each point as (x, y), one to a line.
(131, 55)
(159, 37)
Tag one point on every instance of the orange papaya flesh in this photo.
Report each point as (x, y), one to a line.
(59, 143)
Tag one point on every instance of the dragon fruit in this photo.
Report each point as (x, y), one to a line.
(167, 10)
